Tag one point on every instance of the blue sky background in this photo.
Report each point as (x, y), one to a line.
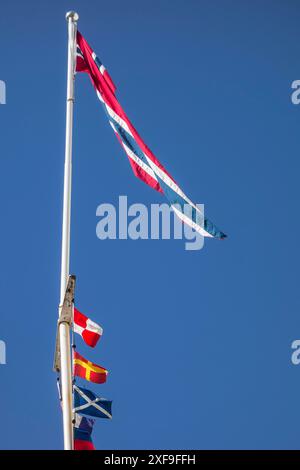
(198, 344)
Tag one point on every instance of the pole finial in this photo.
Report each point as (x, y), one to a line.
(72, 15)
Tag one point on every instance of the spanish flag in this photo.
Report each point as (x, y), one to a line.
(88, 370)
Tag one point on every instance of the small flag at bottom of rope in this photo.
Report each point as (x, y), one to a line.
(83, 428)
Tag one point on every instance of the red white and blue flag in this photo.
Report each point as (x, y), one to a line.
(83, 428)
(143, 162)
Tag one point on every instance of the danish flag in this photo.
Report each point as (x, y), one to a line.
(90, 331)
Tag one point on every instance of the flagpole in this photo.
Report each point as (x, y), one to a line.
(64, 326)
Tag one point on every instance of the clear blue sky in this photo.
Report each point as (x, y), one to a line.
(197, 343)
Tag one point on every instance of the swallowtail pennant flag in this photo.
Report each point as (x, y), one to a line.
(143, 162)
(87, 403)
(90, 331)
(88, 370)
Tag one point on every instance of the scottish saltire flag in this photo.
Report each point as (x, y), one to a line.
(143, 162)
(83, 428)
(87, 403)
(82, 440)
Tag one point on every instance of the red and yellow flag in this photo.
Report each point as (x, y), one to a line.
(88, 370)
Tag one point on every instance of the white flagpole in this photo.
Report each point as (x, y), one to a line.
(64, 327)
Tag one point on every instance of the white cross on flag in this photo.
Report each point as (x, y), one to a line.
(90, 331)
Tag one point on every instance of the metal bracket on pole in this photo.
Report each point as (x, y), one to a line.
(67, 306)
(66, 316)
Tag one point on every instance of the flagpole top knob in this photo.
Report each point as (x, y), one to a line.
(72, 15)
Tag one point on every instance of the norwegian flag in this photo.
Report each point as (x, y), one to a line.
(90, 331)
(143, 162)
